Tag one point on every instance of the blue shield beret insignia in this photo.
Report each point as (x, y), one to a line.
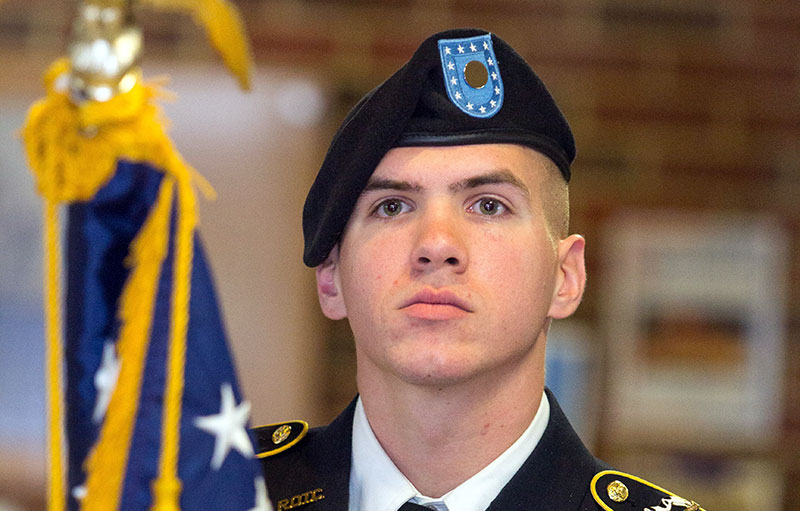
(471, 75)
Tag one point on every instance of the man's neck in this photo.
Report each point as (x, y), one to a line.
(441, 436)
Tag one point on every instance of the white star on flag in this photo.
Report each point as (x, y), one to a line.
(497, 90)
(490, 61)
(453, 80)
(228, 426)
(485, 45)
(494, 75)
(472, 47)
(482, 109)
(469, 106)
(447, 50)
(460, 49)
(450, 66)
(262, 503)
(105, 379)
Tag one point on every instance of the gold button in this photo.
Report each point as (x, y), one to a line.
(281, 434)
(617, 491)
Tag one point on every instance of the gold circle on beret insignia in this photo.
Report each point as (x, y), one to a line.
(617, 491)
(281, 434)
(476, 74)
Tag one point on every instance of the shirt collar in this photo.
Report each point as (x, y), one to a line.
(376, 484)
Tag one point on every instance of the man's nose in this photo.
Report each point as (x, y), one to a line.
(439, 242)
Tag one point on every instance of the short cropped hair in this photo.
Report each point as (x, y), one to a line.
(555, 201)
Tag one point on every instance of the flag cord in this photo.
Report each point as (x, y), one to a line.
(55, 352)
(166, 489)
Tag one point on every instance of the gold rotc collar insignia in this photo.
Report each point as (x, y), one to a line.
(615, 491)
(274, 438)
(281, 434)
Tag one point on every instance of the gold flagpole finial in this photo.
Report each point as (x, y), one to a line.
(104, 51)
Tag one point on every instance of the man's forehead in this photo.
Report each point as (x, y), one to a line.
(461, 166)
(476, 179)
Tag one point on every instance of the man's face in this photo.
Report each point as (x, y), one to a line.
(446, 269)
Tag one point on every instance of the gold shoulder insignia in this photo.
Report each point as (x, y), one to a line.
(274, 438)
(611, 489)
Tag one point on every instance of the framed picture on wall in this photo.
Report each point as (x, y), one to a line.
(694, 316)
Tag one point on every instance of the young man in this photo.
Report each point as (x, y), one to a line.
(438, 225)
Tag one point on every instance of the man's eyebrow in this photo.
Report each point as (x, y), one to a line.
(391, 184)
(502, 176)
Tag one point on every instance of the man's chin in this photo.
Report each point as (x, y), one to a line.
(437, 374)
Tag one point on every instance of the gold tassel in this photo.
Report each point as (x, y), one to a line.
(224, 28)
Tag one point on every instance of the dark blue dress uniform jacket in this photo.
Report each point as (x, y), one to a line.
(559, 475)
(556, 476)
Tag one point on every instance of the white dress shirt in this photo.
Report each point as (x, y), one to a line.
(376, 484)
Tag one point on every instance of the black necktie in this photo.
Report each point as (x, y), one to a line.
(410, 506)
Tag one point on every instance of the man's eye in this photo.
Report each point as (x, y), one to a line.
(391, 207)
(489, 206)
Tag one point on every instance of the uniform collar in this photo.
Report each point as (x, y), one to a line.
(376, 484)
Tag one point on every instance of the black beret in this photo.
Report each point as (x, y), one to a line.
(502, 102)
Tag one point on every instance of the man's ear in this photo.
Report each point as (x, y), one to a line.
(571, 277)
(329, 287)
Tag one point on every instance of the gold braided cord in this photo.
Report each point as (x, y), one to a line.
(224, 28)
(166, 489)
(55, 353)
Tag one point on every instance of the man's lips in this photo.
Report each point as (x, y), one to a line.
(436, 305)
